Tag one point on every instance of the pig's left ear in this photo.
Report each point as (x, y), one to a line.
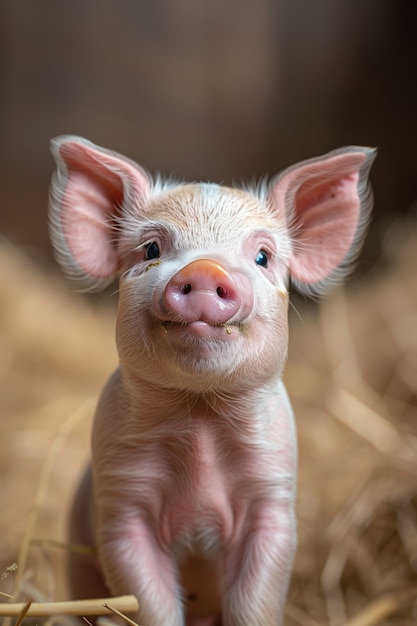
(91, 189)
(326, 204)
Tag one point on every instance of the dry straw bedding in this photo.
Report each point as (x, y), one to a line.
(352, 376)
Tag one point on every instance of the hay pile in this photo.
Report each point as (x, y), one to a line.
(352, 376)
(55, 355)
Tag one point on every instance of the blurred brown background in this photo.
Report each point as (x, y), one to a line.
(221, 90)
(209, 89)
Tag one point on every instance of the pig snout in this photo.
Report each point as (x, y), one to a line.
(203, 290)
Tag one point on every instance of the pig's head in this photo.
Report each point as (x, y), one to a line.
(204, 269)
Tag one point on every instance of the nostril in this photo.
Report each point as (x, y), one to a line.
(221, 291)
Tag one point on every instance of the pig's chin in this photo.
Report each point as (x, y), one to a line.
(199, 346)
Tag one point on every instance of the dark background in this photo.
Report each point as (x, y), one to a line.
(208, 89)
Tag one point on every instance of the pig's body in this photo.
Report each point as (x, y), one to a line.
(195, 488)
(190, 500)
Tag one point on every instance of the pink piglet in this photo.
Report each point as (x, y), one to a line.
(189, 498)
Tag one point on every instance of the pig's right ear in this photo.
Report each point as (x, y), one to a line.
(91, 188)
(325, 203)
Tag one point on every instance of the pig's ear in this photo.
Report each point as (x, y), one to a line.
(91, 188)
(326, 203)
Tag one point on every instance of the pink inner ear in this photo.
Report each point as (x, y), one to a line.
(326, 218)
(88, 208)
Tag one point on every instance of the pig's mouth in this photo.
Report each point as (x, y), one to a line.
(202, 329)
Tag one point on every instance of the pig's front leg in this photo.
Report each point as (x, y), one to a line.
(257, 571)
(134, 563)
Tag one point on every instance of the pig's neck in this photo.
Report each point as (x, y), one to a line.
(233, 409)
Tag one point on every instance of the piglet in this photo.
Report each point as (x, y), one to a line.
(189, 498)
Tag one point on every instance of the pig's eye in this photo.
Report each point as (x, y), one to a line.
(152, 251)
(262, 258)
